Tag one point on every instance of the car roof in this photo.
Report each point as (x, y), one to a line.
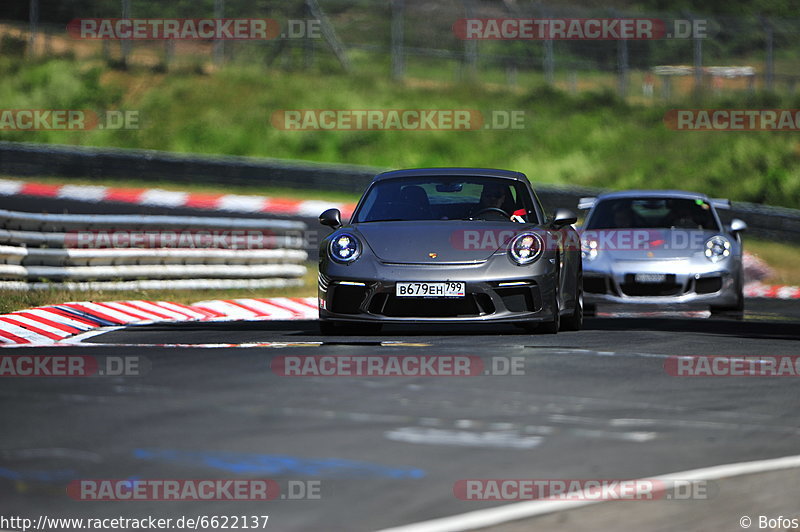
(471, 172)
(652, 194)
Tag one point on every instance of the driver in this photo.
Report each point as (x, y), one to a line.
(623, 217)
(496, 196)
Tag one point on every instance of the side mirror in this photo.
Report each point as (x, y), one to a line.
(737, 226)
(331, 218)
(562, 217)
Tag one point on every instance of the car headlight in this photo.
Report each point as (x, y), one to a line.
(589, 249)
(717, 248)
(344, 247)
(526, 248)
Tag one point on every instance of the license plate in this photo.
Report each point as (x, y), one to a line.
(650, 277)
(448, 289)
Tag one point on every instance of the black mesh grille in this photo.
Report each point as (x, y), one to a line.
(415, 307)
(346, 299)
(594, 285)
(708, 285)
(518, 298)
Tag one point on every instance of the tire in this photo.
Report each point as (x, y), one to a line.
(528, 326)
(735, 311)
(329, 328)
(551, 327)
(574, 322)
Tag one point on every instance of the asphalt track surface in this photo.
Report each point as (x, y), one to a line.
(387, 451)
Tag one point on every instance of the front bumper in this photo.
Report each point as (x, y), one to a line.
(712, 285)
(495, 292)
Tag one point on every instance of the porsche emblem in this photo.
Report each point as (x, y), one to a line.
(433, 255)
(650, 254)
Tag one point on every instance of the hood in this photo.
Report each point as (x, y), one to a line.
(452, 241)
(648, 244)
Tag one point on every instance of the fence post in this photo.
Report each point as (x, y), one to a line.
(125, 45)
(549, 60)
(219, 44)
(34, 27)
(329, 34)
(470, 45)
(769, 37)
(622, 63)
(398, 57)
(698, 58)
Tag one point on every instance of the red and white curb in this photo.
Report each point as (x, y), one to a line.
(58, 323)
(775, 291)
(155, 197)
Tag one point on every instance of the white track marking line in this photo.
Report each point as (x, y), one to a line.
(523, 510)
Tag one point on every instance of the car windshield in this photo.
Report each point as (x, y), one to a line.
(447, 198)
(653, 213)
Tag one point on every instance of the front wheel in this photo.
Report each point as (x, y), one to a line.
(735, 311)
(574, 322)
(551, 327)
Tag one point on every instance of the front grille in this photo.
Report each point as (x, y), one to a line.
(595, 285)
(346, 299)
(667, 288)
(708, 285)
(520, 298)
(415, 307)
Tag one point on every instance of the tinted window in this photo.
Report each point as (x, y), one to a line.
(446, 198)
(652, 213)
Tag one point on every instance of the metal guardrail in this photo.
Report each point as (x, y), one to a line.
(27, 159)
(39, 251)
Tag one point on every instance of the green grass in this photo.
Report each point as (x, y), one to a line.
(11, 300)
(591, 138)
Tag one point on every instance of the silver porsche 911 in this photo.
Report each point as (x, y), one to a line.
(662, 247)
(444, 245)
